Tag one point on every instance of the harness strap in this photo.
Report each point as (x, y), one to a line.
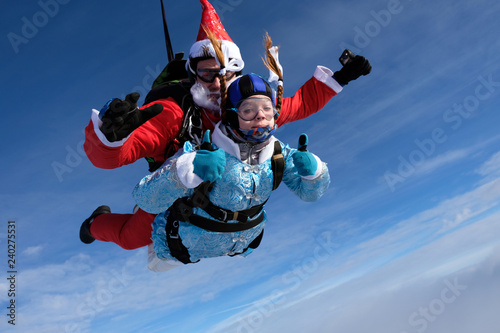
(201, 200)
(277, 164)
(174, 241)
(225, 215)
(191, 129)
(256, 242)
(183, 207)
(216, 226)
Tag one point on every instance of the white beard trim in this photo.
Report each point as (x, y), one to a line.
(204, 98)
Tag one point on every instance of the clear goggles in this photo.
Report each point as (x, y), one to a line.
(208, 75)
(249, 109)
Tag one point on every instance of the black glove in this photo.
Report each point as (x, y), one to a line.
(353, 67)
(120, 118)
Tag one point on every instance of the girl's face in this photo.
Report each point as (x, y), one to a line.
(256, 111)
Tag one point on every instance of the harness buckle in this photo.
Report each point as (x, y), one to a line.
(174, 233)
(224, 214)
(184, 209)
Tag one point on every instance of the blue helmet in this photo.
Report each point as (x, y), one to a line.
(246, 86)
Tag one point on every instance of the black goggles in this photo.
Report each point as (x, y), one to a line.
(208, 75)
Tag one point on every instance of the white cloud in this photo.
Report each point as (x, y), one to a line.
(439, 161)
(490, 167)
(33, 250)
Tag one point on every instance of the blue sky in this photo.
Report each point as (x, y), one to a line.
(405, 240)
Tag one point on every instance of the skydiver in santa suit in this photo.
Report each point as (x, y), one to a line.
(121, 133)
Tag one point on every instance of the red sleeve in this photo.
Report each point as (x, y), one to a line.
(309, 99)
(150, 139)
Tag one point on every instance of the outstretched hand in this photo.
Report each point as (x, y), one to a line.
(353, 67)
(209, 163)
(304, 161)
(122, 117)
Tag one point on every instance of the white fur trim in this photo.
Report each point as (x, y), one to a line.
(325, 75)
(319, 169)
(185, 170)
(229, 49)
(225, 143)
(268, 150)
(97, 125)
(156, 264)
(273, 77)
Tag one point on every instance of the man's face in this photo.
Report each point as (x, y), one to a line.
(212, 87)
(206, 71)
(207, 74)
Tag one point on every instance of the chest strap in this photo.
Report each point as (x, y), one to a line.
(247, 218)
(216, 226)
(200, 199)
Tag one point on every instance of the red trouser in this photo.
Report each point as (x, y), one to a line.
(130, 231)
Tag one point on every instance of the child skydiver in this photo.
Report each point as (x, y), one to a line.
(210, 199)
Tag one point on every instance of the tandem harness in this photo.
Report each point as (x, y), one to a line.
(191, 129)
(182, 210)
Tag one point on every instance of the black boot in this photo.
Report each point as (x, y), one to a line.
(85, 235)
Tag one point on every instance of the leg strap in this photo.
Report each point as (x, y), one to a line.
(174, 241)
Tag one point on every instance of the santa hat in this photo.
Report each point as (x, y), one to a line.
(210, 21)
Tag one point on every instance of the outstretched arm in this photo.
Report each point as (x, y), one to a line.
(325, 84)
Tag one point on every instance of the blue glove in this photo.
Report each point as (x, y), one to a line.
(304, 161)
(209, 163)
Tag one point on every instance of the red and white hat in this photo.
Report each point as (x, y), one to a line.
(210, 21)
